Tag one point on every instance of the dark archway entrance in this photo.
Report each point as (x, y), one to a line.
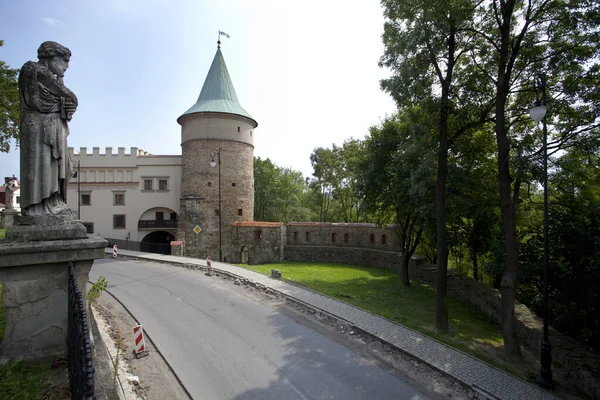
(157, 242)
(244, 255)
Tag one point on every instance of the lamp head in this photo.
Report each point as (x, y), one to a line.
(213, 163)
(537, 112)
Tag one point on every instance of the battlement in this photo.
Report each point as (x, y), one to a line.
(108, 151)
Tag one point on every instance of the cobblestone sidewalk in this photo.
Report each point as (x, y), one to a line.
(487, 381)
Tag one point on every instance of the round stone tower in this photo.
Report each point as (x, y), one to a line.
(217, 140)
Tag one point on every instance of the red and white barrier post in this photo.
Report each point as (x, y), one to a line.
(140, 344)
(115, 251)
(209, 266)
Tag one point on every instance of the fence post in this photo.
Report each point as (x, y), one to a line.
(79, 349)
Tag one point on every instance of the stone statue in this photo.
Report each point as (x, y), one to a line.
(46, 107)
(9, 188)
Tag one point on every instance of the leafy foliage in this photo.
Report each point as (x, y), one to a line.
(280, 194)
(9, 105)
(96, 290)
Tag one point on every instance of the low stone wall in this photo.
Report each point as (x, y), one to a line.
(389, 260)
(582, 363)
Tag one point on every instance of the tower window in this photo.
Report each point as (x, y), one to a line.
(333, 238)
(307, 236)
(209, 184)
(233, 184)
(372, 238)
(240, 212)
(295, 235)
(346, 238)
(383, 239)
(239, 130)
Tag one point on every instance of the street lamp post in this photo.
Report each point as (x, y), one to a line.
(538, 113)
(77, 174)
(212, 164)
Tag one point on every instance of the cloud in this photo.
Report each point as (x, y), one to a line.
(51, 22)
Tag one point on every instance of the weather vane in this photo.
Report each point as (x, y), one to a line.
(221, 33)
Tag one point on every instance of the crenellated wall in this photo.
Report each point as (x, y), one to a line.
(130, 186)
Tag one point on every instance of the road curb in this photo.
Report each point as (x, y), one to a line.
(473, 391)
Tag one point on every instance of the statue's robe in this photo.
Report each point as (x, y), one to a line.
(45, 161)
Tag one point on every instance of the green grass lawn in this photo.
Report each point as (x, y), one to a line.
(381, 292)
(2, 233)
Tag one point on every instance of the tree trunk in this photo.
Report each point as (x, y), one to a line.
(441, 303)
(511, 266)
(404, 267)
(475, 267)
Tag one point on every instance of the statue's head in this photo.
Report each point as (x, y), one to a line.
(55, 56)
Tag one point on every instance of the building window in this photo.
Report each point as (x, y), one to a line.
(333, 238)
(119, 221)
(240, 212)
(296, 236)
(233, 184)
(239, 130)
(18, 199)
(119, 199)
(216, 212)
(173, 216)
(147, 184)
(372, 239)
(89, 226)
(86, 199)
(250, 133)
(307, 236)
(160, 216)
(209, 184)
(346, 238)
(162, 184)
(258, 234)
(383, 239)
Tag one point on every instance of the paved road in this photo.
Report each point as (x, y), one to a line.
(224, 345)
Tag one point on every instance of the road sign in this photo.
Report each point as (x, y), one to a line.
(197, 229)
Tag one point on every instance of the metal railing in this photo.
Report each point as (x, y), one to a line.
(79, 348)
(154, 224)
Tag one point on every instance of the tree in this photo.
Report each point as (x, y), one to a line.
(9, 105)
(514, 40)
(335, 171)
(280, 194)
(426, 42)
(396, 179)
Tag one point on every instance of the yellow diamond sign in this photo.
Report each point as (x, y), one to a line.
(197, 229)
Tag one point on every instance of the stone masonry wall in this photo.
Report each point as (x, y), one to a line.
(577, 359)
(200, 195)
(342, 235)
(263, 242)
(389, 260)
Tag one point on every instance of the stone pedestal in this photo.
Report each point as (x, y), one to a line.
(35, 291)
(7, 216)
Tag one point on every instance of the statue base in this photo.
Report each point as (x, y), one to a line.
(63, 226)
(7, 217)
(35, 293)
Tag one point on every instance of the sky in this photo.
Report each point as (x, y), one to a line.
(305, 70)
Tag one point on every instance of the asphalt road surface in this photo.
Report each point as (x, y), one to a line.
(223, 344)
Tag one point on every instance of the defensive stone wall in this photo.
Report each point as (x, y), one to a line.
(341, 235)
(578, 360)
(258, 242)
(383, 259)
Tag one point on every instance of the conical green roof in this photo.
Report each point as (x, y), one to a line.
(218, 93)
